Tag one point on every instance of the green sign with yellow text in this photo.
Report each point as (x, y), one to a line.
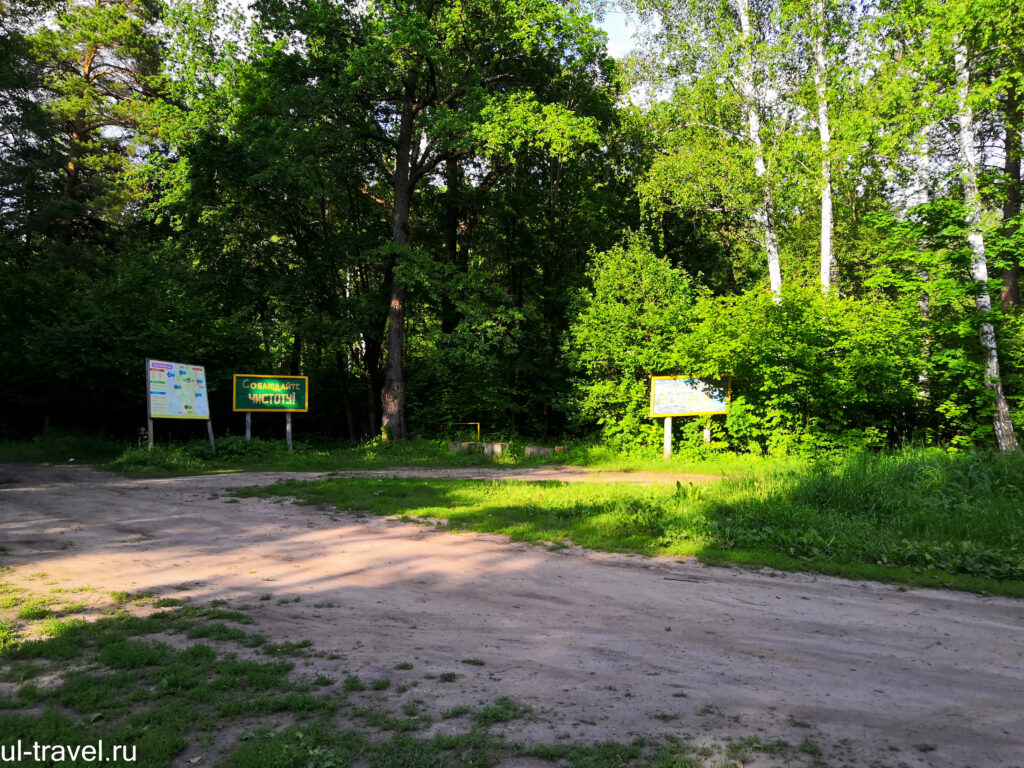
(256, 392)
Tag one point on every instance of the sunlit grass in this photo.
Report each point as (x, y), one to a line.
(914, 516)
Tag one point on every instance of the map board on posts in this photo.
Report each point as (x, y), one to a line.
(176, 390)
(690, 395)
(270, 394)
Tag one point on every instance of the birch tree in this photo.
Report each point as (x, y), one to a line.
(825, 138)
(750, 98)
(720, 62)
(949, 48)
(1001, 423)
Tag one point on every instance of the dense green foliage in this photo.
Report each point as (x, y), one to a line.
(313, 188)
(811, 371)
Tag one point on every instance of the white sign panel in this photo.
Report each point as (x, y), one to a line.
(176, 390)
(689, 395)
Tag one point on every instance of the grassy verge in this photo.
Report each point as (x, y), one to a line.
(60, 447)
(235, 454)
(196, 685)
(921, 517)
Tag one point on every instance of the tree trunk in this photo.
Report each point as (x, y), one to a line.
(828, 261)
(764, 214)
(393, 425)
(1002, 425)
(1014, 118)
(71, 194)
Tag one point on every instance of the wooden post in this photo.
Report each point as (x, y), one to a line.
(149, 430)
(248, 426)
(668, 438)
(209, 431)
(707, 432)
(288, 430)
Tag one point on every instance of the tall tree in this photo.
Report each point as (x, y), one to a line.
(819, 37)
(101, 61)
(720, 61)
(1002, 424)
(440, 81)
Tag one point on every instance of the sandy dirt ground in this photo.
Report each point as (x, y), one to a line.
(601, 646)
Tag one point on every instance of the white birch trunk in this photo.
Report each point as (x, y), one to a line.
(1003, 426)
(764, 214)
(828, 262)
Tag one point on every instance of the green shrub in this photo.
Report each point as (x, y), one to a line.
(810, 372)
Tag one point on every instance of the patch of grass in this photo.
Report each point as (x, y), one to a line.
(911, 517)
(403, 665)
(473, 662)
(810, 747)
(380, 718)
(448, 677)
(20, 672)
(53, 627)
(353, 684)
(36, 608)
(381, 685)
(287, 648)
(609, 754)
(118, 683)
(8, 634)
(501, 711)
(454, 712)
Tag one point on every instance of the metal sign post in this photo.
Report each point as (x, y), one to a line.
(288, 431)
(667, 452)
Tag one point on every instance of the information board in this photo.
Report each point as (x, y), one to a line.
(689, 395)
(176, 391)
(270, 394)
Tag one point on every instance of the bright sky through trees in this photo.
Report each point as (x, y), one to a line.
(619, 27)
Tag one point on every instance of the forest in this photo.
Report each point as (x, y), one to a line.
(467, 210)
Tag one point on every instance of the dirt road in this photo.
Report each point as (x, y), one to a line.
(602, 646)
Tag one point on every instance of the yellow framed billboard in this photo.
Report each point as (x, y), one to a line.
(690, 395)
(263, 393)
